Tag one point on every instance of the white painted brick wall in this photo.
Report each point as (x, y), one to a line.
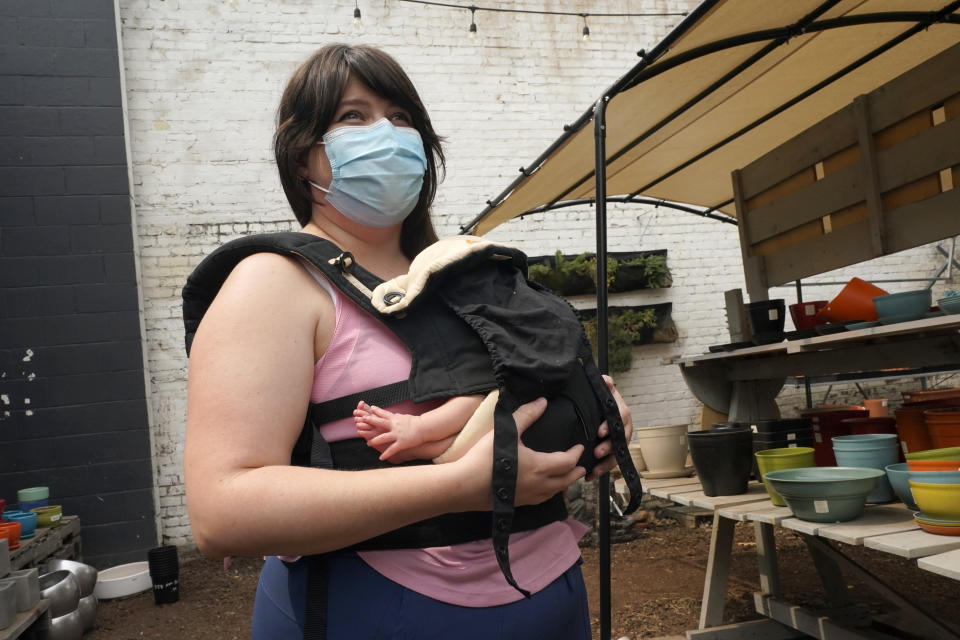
(203, 80)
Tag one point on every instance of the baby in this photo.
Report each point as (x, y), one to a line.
(442, 434)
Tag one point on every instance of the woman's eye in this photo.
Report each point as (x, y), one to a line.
(402, 117)
(350, 115)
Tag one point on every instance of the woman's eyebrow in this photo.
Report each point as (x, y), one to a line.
(352, 102)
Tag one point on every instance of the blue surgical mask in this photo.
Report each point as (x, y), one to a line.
(377, 172)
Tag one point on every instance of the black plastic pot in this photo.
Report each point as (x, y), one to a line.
(767, 320)
(164, 566)
(781, 424)
(723, 460)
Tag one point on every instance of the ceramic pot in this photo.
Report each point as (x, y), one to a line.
(8, 603)
(869, 451)
(723, 460)
(912, 429)
(787, 458)
(664, 448)
(766, 320)
(28, 587)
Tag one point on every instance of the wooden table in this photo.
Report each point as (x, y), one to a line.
(888, 528)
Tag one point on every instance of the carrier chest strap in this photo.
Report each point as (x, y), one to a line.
(339, 408)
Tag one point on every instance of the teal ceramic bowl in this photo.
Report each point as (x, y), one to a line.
(28, 523)
(950, 304)
(900, 307)
(899, 479)
(825, 494)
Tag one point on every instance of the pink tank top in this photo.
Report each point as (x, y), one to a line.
(364, 354)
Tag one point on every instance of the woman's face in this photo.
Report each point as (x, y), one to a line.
(358, 106)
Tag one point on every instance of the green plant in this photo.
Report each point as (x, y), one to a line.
(625, 329)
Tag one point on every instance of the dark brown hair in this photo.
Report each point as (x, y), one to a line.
(308, 107)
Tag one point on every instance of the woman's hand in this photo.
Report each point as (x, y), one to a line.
(539, 475)
(603, 450)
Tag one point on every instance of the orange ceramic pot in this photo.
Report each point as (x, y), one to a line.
(854, 302)
(10, 531)
(912, 429)
(933, 465)
(931, 394)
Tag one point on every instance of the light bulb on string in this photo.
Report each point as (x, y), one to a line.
(356, 16)
(586, 29)
(472, 34)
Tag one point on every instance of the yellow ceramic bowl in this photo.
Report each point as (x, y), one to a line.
(48, 516)
(941, 501)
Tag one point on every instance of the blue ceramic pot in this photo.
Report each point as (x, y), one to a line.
(869, 451)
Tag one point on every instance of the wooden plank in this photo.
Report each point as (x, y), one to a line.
(718, 567)
(756, 492)
(836, 191)
(661, 483)
(869, 175)
(904, 129)
(799, 181)
(945, 564)
(764, 629)
(841, 159)
(771, 514)
(24, 619)
(927, 84)
(746, 511)
(810, 623)
(923, 222)
(46, 542)
(754, 267)
(767, 558)
(824, 139)
(677, 494)
(875, 521)
(913, 544)
(834, 250)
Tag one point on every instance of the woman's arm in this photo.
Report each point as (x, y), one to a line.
(251, 370)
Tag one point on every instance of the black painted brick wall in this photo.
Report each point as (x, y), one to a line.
(72, 394)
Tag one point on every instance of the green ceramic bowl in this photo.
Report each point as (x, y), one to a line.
(785, 458)
(825, 494)
(947, 453)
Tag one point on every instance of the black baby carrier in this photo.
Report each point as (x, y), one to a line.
(473, 324)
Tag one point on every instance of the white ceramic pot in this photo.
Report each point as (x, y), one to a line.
(663, 447)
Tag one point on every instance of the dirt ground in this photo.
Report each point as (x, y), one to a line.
(657, 583)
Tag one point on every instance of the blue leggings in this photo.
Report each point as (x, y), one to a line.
(364, 604)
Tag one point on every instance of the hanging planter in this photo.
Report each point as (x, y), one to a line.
(577, 275)
(628, 327)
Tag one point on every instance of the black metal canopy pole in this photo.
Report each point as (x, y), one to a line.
(603, 488)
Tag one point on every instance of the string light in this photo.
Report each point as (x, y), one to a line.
(472, 33)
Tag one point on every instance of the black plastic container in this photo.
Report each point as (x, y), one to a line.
(779, 425)
(722, 459)
(164, 574)
(767, 320)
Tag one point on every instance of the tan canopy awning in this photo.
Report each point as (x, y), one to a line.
(735, 79)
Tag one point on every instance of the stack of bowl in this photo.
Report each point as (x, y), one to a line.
(943, 426)
(776, 459)
(870, 451)
(947, 459)
(878, 424)
(939, 504)
(827, 422)
(900, 475)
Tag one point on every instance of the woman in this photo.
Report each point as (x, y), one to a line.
(359, 163)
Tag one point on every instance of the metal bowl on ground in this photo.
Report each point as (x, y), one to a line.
(86, 575)
(62, 589)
